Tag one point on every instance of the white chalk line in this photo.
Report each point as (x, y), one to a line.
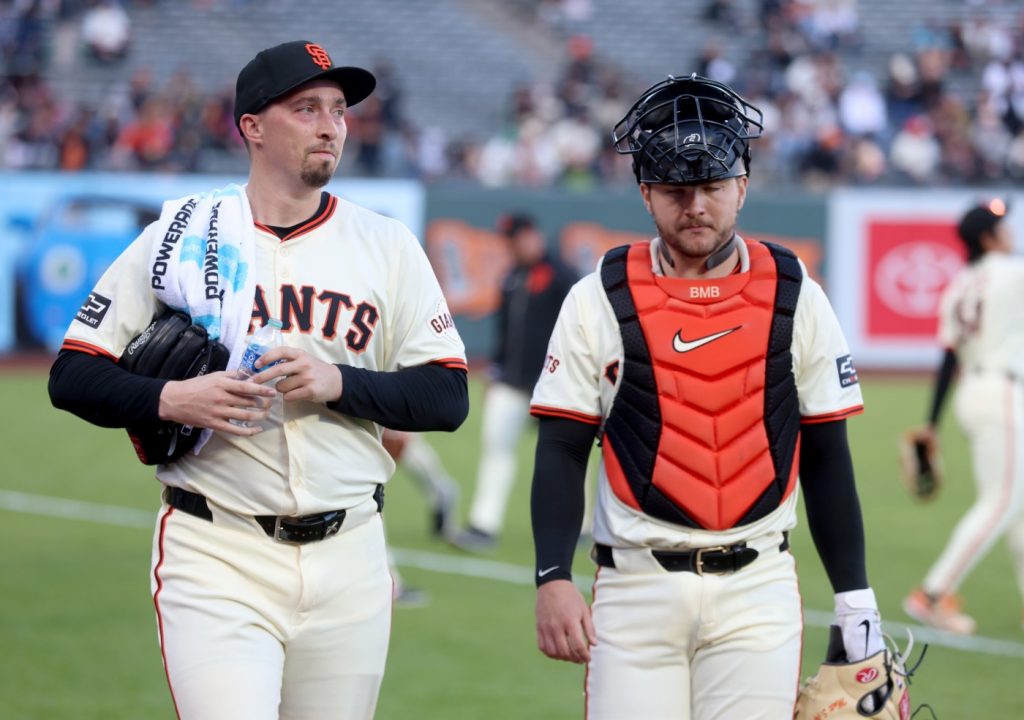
(478, 568)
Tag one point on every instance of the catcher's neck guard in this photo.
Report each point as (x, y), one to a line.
(687, 130)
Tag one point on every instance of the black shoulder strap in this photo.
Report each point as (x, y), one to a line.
(781, 405)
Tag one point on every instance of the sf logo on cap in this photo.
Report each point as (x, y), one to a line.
(319, 55)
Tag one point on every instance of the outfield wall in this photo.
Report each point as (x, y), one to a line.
(883, 255)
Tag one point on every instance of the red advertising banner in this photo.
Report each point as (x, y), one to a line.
(909, 264)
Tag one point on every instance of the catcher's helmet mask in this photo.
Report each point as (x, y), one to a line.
(688, 130)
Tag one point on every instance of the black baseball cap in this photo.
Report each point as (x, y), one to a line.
(282, 68)
(979, 220)
(511, 223)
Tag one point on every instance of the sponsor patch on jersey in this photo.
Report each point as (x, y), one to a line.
(847, 372)
(93, 310)
(442, 322)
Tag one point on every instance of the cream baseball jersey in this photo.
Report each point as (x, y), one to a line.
(581, 378)
(979, 315)
(351, 287)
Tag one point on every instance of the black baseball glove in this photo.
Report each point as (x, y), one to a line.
(921, 464)
(172, 348)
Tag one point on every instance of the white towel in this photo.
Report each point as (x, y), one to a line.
(203, 265)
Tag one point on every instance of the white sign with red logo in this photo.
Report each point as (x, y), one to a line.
(890, 255)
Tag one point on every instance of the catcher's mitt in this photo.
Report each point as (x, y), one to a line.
(171, 348)
(876, 687)
(921, 464)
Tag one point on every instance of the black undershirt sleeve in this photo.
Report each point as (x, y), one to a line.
(557, 496)
(96, 389)
(833, 508)
(943, 380)
(429, 397)
(416, 399)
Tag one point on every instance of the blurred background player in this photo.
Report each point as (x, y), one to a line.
(531, 296)
(979, 324)
(416, 456)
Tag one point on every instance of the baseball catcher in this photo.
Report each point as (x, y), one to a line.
(697, 612)
(875, 687)
(171, 348)
(921, 462)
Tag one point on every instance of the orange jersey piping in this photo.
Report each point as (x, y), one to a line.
(84, 347)
(313, 224)
(544, 411)
(832, 416)
(456, 363)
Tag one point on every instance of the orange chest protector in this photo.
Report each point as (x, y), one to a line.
(705, 428)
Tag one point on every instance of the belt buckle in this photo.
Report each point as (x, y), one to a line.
(277, 530)
(333, 522)
(288, 535)
(320, 527)
(698, 558)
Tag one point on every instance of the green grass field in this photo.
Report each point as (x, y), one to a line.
(77, 634)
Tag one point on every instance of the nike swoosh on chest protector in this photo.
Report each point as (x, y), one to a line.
(683, 346)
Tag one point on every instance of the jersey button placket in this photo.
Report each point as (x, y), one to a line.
(292, 432)
(284, 271)
(290, 426)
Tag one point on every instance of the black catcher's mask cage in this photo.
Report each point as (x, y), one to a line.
(688, 130)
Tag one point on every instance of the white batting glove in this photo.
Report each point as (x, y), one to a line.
(857, 616)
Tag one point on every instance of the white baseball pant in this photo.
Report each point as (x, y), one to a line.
(254, 629)
(506, 410)
(679, 646)
(424, 465)
(990, 410)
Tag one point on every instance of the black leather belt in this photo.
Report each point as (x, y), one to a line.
(717, 560)
(292, 529)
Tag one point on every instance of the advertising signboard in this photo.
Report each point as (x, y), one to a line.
(891, 254)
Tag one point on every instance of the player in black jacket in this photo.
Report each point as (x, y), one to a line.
(531, 296)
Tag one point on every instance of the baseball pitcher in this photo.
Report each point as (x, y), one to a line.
(269, 571)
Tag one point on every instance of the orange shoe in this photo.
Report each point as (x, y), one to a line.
(941, 612)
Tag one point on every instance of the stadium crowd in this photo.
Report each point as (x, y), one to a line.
(828, 121)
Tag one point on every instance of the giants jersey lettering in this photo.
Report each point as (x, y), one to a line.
(350, 287)
(583, 375)
(979, 315)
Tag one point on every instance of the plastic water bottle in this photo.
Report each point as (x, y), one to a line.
(267, 337)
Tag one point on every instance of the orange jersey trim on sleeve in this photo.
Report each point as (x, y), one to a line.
(84, 347)
(833, 416)
(543, 411)
(456, 363)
